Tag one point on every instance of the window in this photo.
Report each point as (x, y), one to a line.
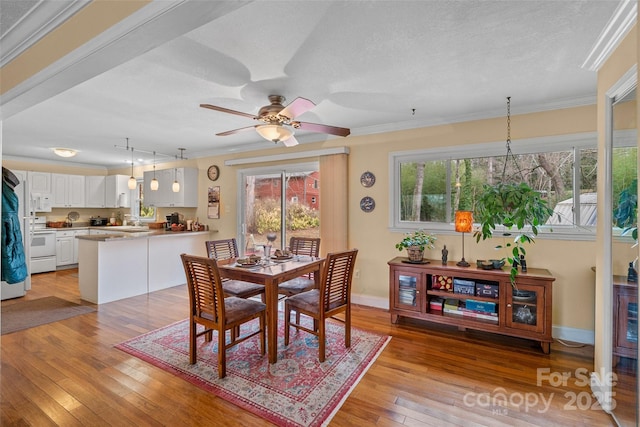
(139, 209)
(428, 186)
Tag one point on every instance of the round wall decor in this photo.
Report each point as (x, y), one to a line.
(367, 204)
(367, 179)
(213, 173)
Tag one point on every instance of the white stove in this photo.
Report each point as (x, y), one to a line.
(43, 246)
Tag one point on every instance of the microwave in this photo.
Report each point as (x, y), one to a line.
(40, 202)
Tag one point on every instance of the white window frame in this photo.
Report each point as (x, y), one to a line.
(572, 142)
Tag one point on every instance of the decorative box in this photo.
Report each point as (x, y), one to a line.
(443, 283)
(489, 290)
(481, 306)
(467, 287)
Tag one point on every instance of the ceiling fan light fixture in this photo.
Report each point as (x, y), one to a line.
(64, 152)
(274, 133)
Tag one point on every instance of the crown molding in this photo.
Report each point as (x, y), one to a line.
(616, 29)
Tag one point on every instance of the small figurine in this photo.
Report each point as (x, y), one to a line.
(445, 253)
(523, 264)
(632, 274)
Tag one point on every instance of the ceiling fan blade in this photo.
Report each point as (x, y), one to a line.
(292, 141)
(296, 107)
(315, 127)
(231, 132)
(226, 110)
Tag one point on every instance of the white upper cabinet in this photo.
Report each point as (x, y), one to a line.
(39, 182)
(165, 197)
(95, 191)
(67, 190)
(117, 192)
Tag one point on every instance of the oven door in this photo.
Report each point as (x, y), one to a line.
(43, 244)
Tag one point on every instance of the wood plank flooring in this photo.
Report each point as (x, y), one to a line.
(68, 374)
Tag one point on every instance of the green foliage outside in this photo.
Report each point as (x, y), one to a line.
(267, 217)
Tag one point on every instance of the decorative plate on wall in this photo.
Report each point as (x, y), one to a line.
(367, 204)
(367, 179)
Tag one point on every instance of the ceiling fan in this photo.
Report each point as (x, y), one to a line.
(277, 120)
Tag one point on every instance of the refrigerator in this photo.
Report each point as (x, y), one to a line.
(16, 290)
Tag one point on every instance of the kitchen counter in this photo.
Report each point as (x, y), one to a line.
(126, 264)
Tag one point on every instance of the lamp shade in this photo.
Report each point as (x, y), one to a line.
(132, 184)
(154, 185)
(274, 133)
(175, 187)
(464, 221)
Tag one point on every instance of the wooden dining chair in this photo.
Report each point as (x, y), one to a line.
(226, 251)
(300, 246)
(333, 297)
(210, 308)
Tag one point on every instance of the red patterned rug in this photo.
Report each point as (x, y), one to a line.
(295, 391)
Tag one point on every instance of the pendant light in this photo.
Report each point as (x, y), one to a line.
(132, 179)
(176, 185)
(154, 182)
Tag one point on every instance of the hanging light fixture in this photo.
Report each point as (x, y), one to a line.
(154, 182)
(65, 152)
(132, 179)
(274, 133)
(176, 185)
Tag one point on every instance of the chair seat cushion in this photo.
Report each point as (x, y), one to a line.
(238, 288)
(241, 308)
(307, 301)
(296, 286)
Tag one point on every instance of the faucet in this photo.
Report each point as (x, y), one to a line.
(136, 223)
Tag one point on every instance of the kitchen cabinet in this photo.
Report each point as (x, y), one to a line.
(39, 182)
(67, 191)
(164, 196)
(67, 246)
(95, 191)
(485, 300)
(117, 193)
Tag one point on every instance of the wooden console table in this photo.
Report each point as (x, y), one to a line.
(413, 293)
(625, 318)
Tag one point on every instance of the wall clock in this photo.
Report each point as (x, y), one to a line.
(367, 204)
(213, 173)
(367, 179)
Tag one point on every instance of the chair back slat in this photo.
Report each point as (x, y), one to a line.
(305, 246)
(205, 287)
(222, 249)
(336, 279)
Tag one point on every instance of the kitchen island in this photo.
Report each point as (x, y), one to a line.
(121, 265)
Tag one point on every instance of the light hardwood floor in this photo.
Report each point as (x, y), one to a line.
(69, 374)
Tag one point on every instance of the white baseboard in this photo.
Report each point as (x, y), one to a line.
(370, 301)
(583, 336)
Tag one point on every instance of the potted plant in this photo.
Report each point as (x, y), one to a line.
(625, 215)
(515, 206)
(415, 243)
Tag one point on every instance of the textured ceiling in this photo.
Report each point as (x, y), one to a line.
(367, 65)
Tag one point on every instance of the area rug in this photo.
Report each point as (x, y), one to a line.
(297, 390)
(30, 313)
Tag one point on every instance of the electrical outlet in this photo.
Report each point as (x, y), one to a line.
(356, 274)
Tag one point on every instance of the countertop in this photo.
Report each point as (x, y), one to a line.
(137, 234)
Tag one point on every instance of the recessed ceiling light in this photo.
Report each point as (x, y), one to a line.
(65, 152)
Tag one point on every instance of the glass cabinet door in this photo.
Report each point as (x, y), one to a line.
(407, 291)
(525, 308)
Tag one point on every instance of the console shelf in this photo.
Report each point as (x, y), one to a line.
(412, 294)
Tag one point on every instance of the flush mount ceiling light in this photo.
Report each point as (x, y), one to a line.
(65, 152)
(274, 133)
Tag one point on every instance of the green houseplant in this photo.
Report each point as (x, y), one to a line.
(625, 215)
(515, 206)
(415, 243)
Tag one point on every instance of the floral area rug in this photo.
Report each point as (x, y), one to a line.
(297, 390)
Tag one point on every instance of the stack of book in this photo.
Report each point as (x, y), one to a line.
(459, 308)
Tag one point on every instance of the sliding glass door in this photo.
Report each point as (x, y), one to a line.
(278, 203)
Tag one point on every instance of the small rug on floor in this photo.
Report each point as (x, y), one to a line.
(297, 390)
(30, 313)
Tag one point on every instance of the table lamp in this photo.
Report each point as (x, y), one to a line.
(463, 224)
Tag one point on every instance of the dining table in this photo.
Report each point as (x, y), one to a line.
(271, 273)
